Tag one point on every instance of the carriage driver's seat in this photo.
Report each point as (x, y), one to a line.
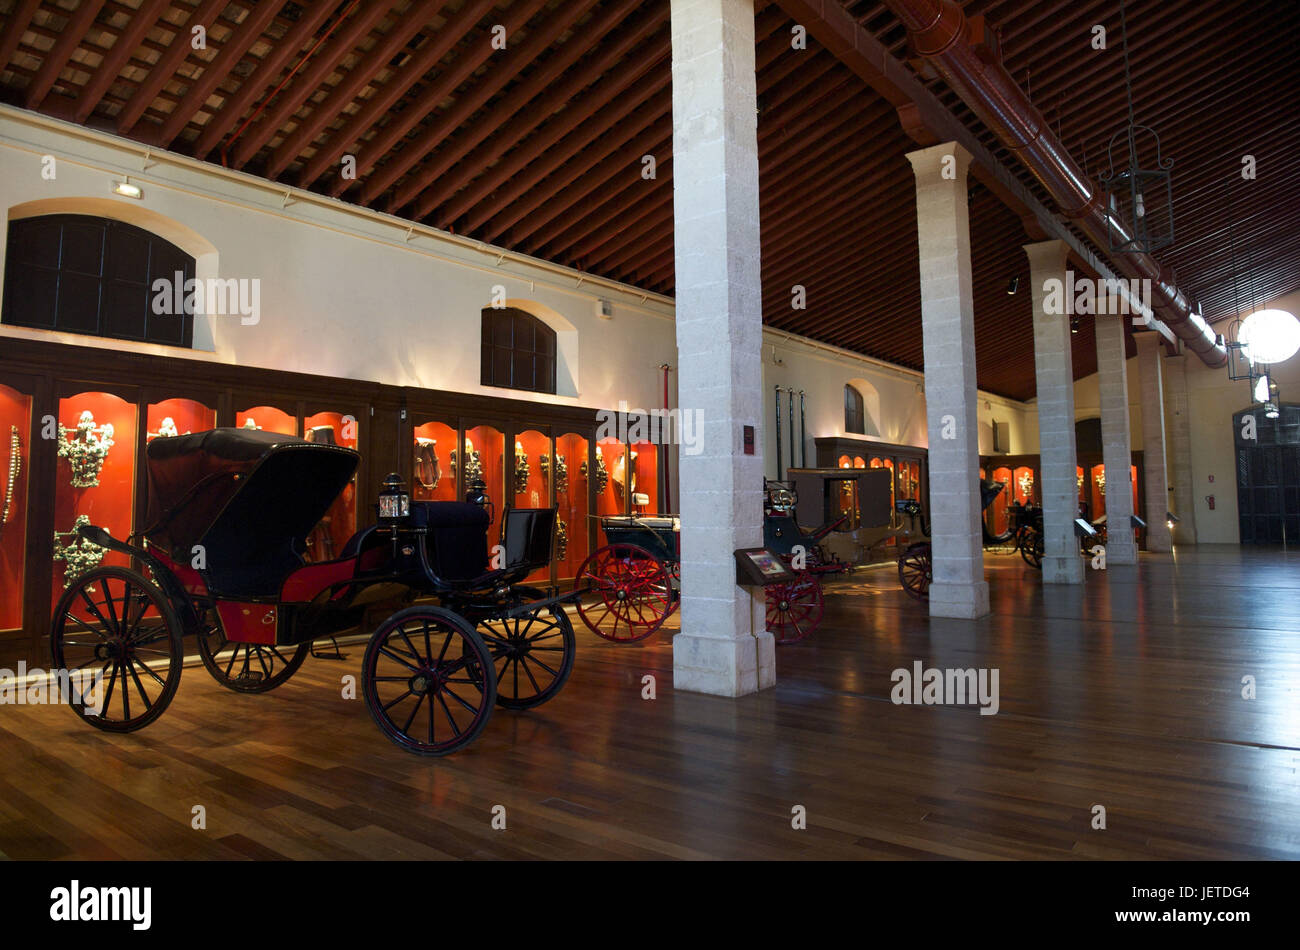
(458, 548)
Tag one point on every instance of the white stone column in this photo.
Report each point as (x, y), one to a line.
(723, 647)
(1154, 478)
(958, 588)
(1180, 441)
(1116, 448)
(1054, 370)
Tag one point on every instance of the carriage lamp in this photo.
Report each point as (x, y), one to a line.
(394, 502)
(477, 493)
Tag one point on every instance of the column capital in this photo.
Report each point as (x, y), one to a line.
(1148, 342)
(1047, 254)
(947, 160)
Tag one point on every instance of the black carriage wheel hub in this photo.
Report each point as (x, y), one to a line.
(426, 681)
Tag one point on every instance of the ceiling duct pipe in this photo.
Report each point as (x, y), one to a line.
(971, 66)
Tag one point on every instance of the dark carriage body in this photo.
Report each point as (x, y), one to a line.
(230, 511)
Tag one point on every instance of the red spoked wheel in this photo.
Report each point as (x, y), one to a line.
(629, 593)
(794, 609)
(915, 571)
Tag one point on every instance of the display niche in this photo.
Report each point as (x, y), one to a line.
(996, 513)
(173, 417)
(482, 458)
(530, 472)
(571, 480)
(434, 478)
(268, 419)
(645, 476)
(15, 456)
(327, 539)
(611, 495)
(94, 481)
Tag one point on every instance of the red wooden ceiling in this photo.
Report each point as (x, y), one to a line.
(539, 147)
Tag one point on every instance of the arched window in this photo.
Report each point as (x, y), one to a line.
(84, 274)
(518, 351)
(855, 414)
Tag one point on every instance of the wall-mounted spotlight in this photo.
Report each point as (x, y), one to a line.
(1074, 324)
(1014, 285)
(126, 189)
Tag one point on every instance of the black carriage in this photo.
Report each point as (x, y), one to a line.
(630, 586)
(915, 563)
(223, 561)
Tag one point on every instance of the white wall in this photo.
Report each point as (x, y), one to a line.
(342, 293)
(349, 293)
(821, 372)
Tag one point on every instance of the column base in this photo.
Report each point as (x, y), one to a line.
(963, 601)
(1159, 543)
(724, 666)
(1063, 570)
(1121, 552)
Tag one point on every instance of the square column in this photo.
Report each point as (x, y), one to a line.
(1054, 370)
(1116, 448)
(723, 647)
(1155, 479)
(958, 588)
(1180, 441)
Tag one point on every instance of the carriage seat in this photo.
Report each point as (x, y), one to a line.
(457, 543)
(457, 537)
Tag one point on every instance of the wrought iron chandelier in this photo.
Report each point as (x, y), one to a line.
(1139, 201)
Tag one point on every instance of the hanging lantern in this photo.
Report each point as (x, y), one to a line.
(1139, 201)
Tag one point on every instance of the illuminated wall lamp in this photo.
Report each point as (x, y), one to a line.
(127, 190)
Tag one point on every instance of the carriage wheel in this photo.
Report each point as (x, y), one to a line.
(532, 652)
(915, 570)
(794, 610)
(424, 683)
(629, 593)
(246, 667)
(114, 623)
(1032, 548)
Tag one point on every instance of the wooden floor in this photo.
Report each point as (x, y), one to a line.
(1126, 694)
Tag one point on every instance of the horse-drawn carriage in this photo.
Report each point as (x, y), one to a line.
(222, 561)
(915, 564)
(631, 585)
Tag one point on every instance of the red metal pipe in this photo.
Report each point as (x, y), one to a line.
(940, 32)
(668, 486)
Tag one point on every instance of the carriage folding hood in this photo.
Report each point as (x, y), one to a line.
(246, 497)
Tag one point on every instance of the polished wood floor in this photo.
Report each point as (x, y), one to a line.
(1125, 694)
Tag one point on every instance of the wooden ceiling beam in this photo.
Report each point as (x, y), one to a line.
(328, 59)
(380, 104)
(78, 23)
(222, 65)
(566, 95)
(522, 218)
(418, 149)
(594, 138)
(364, 73)
(264, 74)
(15, 27)
(127, 42)
(168, 62)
